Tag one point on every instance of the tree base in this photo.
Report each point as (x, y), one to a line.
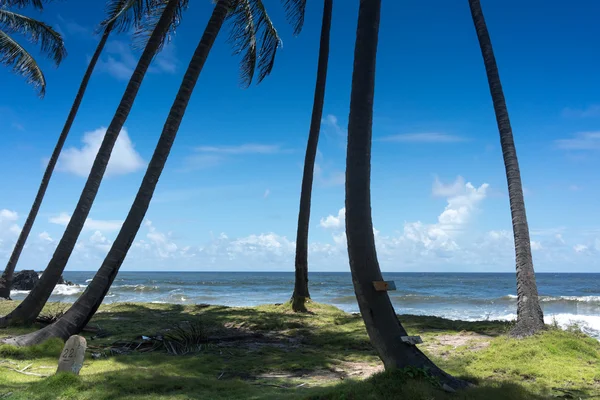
(4, 290)
(299, 304)
(524, 329)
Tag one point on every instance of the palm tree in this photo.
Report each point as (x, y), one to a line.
(12, 54)
(163, 16)
(296, 10)
(383, 326)
(530, 318)
(121, 13)
(249, 19)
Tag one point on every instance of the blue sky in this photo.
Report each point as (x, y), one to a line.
(228, 198)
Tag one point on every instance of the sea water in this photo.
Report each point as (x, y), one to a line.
(567, 299)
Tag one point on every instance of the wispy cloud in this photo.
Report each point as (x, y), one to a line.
(425, 137)
(120, 61)
(213, 156)
(267, 193)
(72, 28)
(590, 111)
(249, 148)
(331, 123)
(580, 141)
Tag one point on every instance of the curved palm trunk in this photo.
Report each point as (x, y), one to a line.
(301, 294)
(75, 319)
(30, 308)
(7, 275)
(381, 321)
(530, 318)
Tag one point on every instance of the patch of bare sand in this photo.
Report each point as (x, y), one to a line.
(441, 345)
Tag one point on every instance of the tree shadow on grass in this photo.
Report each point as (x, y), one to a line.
(295, 356)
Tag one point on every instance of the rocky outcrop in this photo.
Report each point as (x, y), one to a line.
(24, 280)
(62, 281)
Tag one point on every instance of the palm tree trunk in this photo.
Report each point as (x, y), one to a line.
(75, 319)
(7, 275)
(301, 293)
(530, 318)
(30, 308)
(383, 326)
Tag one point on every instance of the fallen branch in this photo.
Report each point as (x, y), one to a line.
(25, 372)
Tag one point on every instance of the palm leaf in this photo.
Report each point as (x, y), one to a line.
(150, 18)
(24, 3)
(295, 11)
(242, 37)
(12, 54)
(251, 24)
(123, 14)
(51, 43)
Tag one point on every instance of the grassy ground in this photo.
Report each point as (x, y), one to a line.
(278, 354)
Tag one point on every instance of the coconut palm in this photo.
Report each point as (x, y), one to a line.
(120, 15)
(249, 22)
(383, 326)
(163, 16)
(530, 318)
(296, 9)
(12, 54)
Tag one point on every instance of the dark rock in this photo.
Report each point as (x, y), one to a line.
(25, 280)
(62, 281)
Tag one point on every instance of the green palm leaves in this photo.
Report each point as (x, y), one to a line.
(13, 54)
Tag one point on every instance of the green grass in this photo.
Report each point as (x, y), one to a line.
(322, 355)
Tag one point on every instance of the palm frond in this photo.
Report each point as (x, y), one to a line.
(12, 54)
(252, 25)
(51, 43)
(242, 38)
(39, 4)
(123, 14)
(295, 11)
(150, 18)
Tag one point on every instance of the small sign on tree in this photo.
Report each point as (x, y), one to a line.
(71, 357)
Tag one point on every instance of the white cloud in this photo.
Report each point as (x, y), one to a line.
(267, 193)
(535, 245)
(580, 248)
(120, 61)
(8, 224)
(334, 222)
(461, 206)
(331, 124)
(580, 141)
(426, 137)
(124, 158)
(90, 224)
(45, 236)
(440, 189)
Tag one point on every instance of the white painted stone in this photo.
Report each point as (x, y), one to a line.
(72, 355)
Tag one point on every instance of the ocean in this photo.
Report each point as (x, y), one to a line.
(567, 299)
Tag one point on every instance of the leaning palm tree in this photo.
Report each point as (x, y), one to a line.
(12, 54)
(163, 17)
(383, 326)
(296, 9)
(250, 22)
(121, 13)
(530, 318)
